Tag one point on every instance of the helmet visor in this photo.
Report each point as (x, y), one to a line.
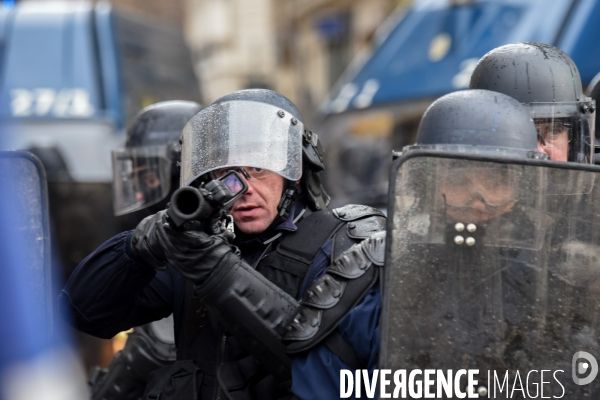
(141, 177)
(554, 132)
(565, 125)
(242, 134)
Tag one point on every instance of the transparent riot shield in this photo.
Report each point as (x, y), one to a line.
(24, 194)
(490, 268)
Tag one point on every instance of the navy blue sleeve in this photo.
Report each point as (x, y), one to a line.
(316, 375)
(110, 291)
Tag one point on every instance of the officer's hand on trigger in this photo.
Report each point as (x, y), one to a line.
(193, 253)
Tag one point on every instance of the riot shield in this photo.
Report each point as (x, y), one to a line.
(24, 193)
(489, 267)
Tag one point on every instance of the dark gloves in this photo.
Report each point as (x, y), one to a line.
(144, 241)
(195, 254)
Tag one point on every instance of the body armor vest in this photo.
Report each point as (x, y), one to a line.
(286, 263)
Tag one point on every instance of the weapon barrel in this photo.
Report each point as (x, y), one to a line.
(188, 204)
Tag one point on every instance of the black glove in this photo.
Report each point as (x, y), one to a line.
(193, 253)
(196, 254)
(144, 241)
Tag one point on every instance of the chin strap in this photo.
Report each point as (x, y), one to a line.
(291, 192)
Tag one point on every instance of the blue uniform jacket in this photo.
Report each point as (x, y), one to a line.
(316, 375)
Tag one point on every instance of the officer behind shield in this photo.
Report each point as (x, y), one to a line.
(484, 259)
(476, 194)
(290, 283)
(145, 174)
(476, 122)
(547, 80)
(472, 122)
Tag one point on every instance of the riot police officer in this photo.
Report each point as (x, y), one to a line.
(487, 269)
(240, 315)
(547, 80)
(145, 174)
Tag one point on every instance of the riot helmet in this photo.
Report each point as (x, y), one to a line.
(256, 128)
(547, 80)
(478, 121)
(145, 172)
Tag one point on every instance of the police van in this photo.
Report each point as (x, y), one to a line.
(71, 76)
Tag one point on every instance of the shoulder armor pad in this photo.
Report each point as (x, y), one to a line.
(352, 212)
(305, 324)
(363, 228)
(330, 297)
(325, 292)
(350, 264)
(312, 324)
(374, 248)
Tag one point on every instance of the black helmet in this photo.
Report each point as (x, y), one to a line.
(478, 121)
(160, 123)
(145, 173)
(256, 128)
(546, 79)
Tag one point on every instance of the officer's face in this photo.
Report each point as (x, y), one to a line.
(257, 208)
(149, 181)
(553, 138)
(477, 195)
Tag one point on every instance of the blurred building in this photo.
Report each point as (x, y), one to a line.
(317, 39)
(299, 48)
(233, 42)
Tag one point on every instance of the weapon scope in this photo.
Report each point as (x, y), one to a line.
(191, 204)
